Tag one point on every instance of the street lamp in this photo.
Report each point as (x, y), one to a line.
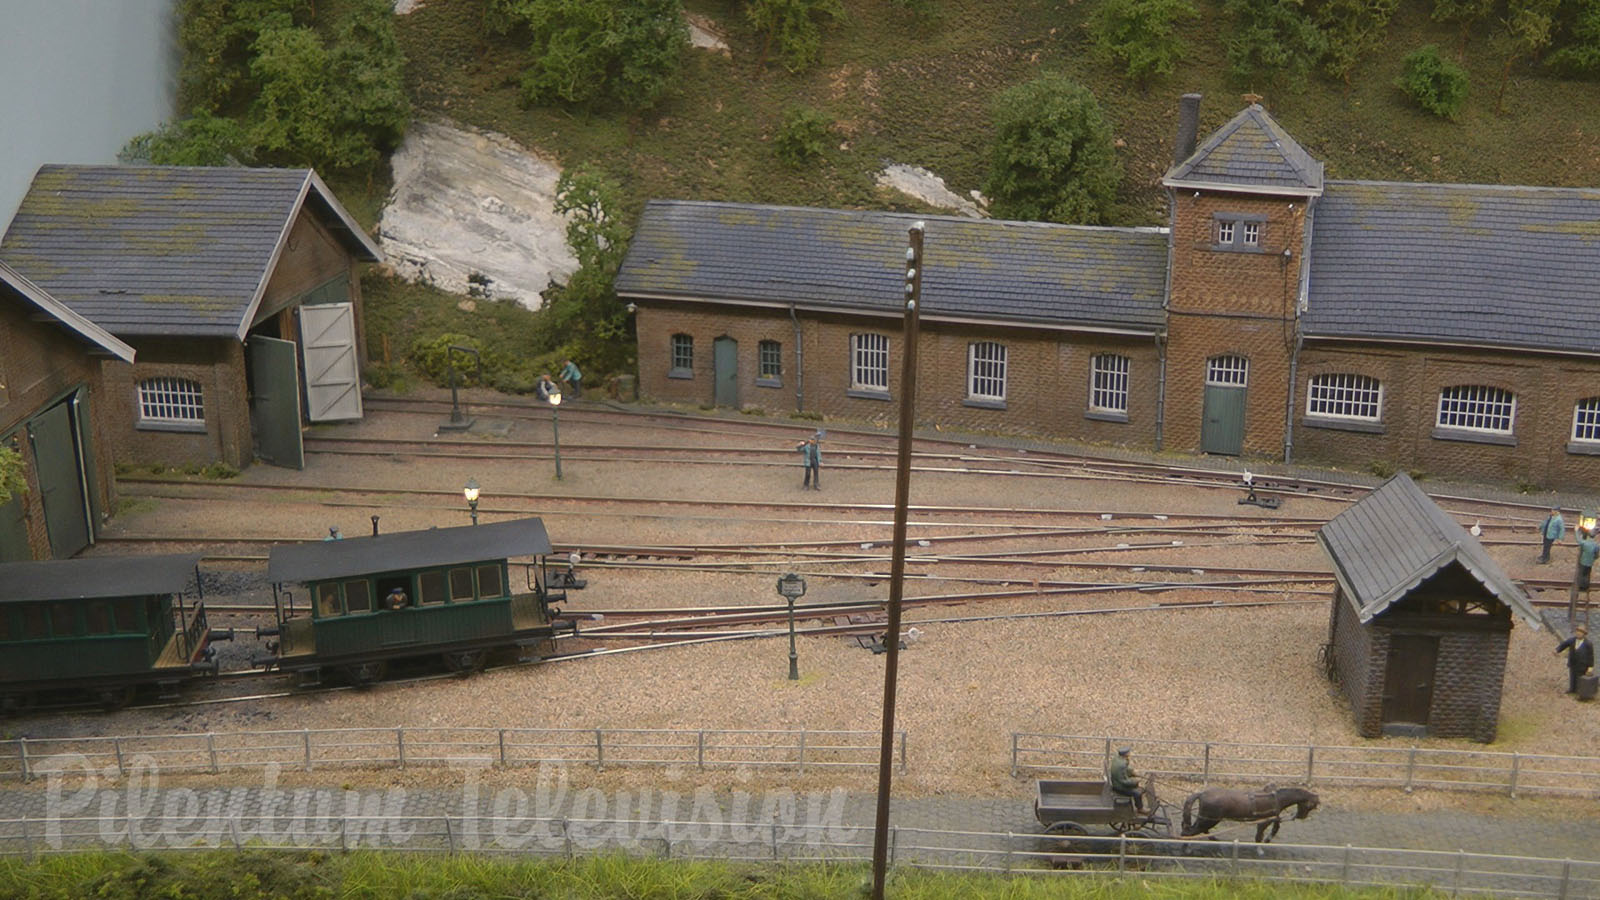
(471, 493)
(792, 587)
(555, 427)
(1584, 531)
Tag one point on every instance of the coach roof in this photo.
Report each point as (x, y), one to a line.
(97, 577)
(1025, 272)
(406, 551)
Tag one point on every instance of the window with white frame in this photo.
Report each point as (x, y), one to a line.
(1586, 421)
(682, 356)
(1477, 407)
(1227, 371)
(171, 401)
(1225, 231)
(1345, 395)
(1108, 383)
(869, 362)
(1237, 232)
(1252, 234)
(770, 359)
(986, 371)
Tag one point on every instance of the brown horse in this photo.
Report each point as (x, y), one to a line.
(1265, 808)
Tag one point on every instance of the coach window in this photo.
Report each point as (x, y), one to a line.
(490, 583)
(97, 617)
(328, 599)
(431, 588)
(63, 623)
(460, 585)
(1476, 412)
(126, 615)
(682, 357)
(357, 596)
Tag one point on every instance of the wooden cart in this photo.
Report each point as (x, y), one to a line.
(1072, 807)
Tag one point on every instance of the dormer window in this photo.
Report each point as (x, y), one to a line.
(1235, 231)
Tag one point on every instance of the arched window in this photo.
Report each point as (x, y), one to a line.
(171, 402)
(1108, 383)
(986, 371)
(1586, 421)
(1477, 407)
(682, 357)
(1345, 395)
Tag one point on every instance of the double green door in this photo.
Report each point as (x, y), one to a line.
(58, 443)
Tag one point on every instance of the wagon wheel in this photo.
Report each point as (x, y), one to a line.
(464, 662)
(367, 673)
(1066, 829)
(114, 698)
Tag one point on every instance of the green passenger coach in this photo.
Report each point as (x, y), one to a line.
(451, 593)
(100, 627)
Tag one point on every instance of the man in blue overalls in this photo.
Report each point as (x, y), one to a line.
(1550, 531)
(811, 457)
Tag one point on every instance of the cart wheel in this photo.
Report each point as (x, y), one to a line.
(1067, 829)
(366, 674)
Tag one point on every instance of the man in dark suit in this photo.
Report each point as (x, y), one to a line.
(1580, 656)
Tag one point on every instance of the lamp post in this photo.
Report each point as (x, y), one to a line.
(792, 587)
(459, 422)
(471, 493)
(555, 428)
(1584, 531)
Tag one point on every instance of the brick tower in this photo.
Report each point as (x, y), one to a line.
(1239, 209)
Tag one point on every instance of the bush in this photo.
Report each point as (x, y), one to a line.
(1353, 28)
(13, 474)
(1436, 84)
(1052, 158)
(1272, 40)
(1138, 35)
(795, 26)
(803, 136)
(596, 52)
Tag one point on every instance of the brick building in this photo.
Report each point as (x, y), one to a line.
(237, 287)
(1421, 617)
(54, 415)
(1280, 315)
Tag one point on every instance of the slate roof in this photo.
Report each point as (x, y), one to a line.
(1253, 154)
(1456, 263)
(1395, 538)
(106, 576)
(165, 250)
(1030, 272)
(69, 320)
(406, 550)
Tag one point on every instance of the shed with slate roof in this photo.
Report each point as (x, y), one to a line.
(236, 286)
(1421, 617)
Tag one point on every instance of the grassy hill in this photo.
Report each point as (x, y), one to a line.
(902, 89)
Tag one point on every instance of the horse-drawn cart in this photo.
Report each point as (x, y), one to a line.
(1071, 807)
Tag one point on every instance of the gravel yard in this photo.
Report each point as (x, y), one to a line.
(1206, 674)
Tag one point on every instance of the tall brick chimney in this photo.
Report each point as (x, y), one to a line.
(1188, 125)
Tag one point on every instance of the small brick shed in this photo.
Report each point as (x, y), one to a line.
(1421, 617)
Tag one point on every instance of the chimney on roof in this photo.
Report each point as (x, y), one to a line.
(1188, 127)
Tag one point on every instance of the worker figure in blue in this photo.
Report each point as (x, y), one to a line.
(1123, 780)
(811, 458)
(571, 375)
(1550, 531)
(1587, 551)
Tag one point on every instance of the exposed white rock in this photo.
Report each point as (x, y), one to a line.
(703, 34)
(922, 184)
(474, 213)
(405, 7)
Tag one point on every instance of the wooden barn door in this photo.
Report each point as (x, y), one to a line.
(328, 348)
(59, 468)
(275, 401)
(1408, 679)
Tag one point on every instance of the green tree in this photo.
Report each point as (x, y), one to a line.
(216, 40)
(1272, 40)
(1577, 42)
(584, 317)
(803, 136)
(1436, 84)
(1052, 157)
(1353, 28)
(202, 139)
(1139, 35)
(795, 26)
(1464, 14)
(595, 52)
(13, 475)
(1528, 26)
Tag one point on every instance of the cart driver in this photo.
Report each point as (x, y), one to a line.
(397, 599)
(1123, 779)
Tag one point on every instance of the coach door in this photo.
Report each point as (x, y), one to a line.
(275, 401)
(725, 360)
(1222, 431)
(1408, 679)
(63, 491)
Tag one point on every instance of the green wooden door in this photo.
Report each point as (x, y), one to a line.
(1223, 428)
(13, 533)
(275, 401)
(59, 469)
(725, 358)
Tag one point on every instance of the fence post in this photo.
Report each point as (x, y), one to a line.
(1516, 767)
(1013, 754)
(1411, 768)
(27, 839)
(502, 748)
(1010, 839)
(22, 744)
(233, 832)
(305, 733)
(902, 752)
(211, 748)
(1566, 877)
(116, 746)
(1235, 857)
(1205, 774)
(774, 838)
(566, 836)
(449, 834)
(802, 751)
(894, 843)
(344, 831)
(1461, 863)
(400, 746)
(1344, 872)
(700, 750)
(1311, 762)
(599, 752)
(1122, 851)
